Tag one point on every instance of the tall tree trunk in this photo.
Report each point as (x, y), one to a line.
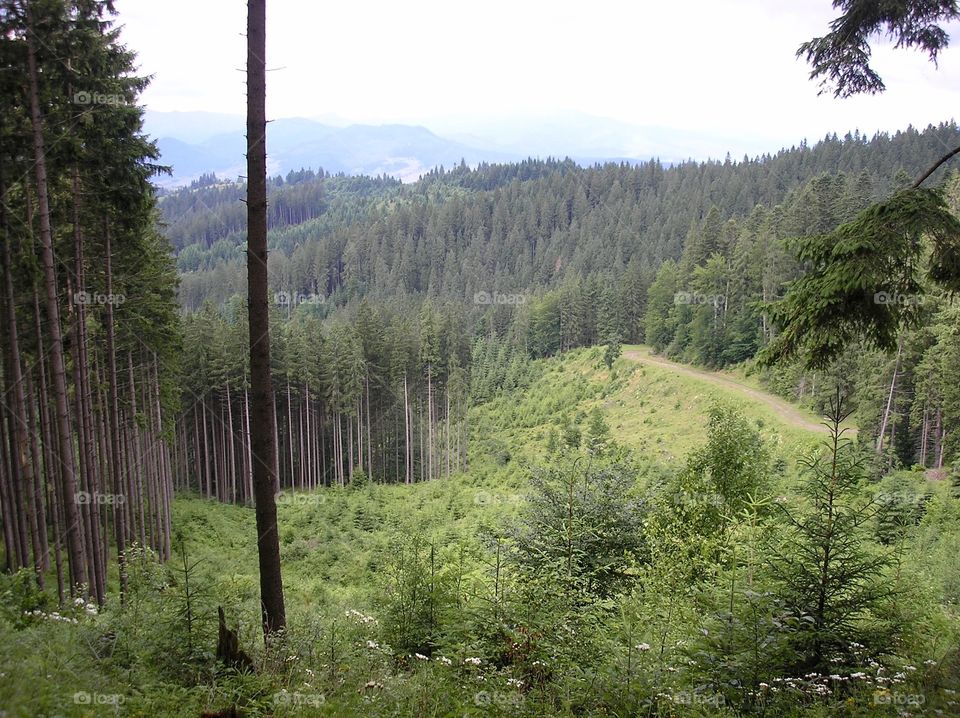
(887, 409)
(13, 542)
(136, 473)
(48, 441)
(448, 428)
(924, 433)
(263, 413)
(24, 456)
(430, 422)
(408, 458)
(88, 463)
(206, 450)
(233, 453)
(74, 529)
(289, 435)
(367, 415)
(248, 450)
(39, 492)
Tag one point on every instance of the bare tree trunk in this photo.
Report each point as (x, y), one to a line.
(367, 414)
(39, 493)
(893, 386)
(309, 448)
(74, 529)
(23, 455)
(248, 445)
(430, 442)
(88, 464)
(136, 474)
(408, 458)
(206, 450)
(14, 542)
(924, 432)
(448, 431)
(264, 419)
(233, 453)
(289, 435)
(47, 431)
(941, 437)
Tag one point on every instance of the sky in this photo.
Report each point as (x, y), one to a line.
(724, 67)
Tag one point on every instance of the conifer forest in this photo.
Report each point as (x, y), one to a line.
(522, 435)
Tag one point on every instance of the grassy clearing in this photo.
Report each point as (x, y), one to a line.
(336, 545)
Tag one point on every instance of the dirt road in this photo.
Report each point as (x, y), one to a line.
(785, 410)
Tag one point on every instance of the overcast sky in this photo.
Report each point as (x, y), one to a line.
(727, 66)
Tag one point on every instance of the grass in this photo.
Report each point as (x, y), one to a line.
(335, 543)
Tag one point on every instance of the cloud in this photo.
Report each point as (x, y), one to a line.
(727, 67)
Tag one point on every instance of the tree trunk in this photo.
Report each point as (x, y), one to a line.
(47, 432)
(76, 557)
(24, 454)
(263, 414)
(893, 386)
(232, 448)
(408, 458)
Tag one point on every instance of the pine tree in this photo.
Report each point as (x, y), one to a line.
(826, 573)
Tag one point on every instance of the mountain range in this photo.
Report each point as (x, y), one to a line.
(195, 143)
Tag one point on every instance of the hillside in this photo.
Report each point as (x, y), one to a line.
(367, 419)
(528, 226)
(340, 551)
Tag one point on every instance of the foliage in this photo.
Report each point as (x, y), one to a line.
(582, 524)
(829, 577)
(866, 278)
(841, 59)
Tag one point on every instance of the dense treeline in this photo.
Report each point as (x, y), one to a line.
(511, 227)
(89, 328)
(533, 259)
(372, 393)
(708, 308)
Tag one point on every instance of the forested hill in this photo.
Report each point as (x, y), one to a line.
(524, 226)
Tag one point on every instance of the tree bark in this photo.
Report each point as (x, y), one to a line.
(893, 386)
(76, 557)
(262, 406)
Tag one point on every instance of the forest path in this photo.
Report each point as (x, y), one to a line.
(789, 413)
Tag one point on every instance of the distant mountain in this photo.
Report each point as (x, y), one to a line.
(194, 143)
(191, 127)
(584, 137)
(189, 143)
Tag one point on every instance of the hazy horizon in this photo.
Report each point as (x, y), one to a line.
(460, 71)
